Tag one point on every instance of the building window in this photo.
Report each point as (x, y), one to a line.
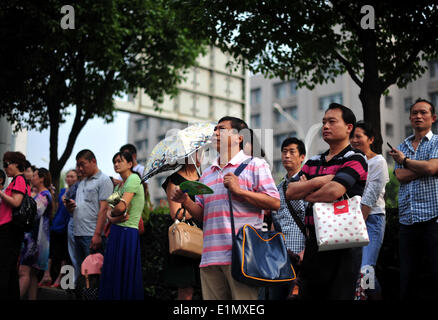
(407, 102)
(388, 102)
(433, 68)
(255, 121)
(279, 138)
(434, 100)
(142, 145)
(389, 129)
(292, 111)
(325, 101)
(256, 96)
(293, 87)
(280, 90)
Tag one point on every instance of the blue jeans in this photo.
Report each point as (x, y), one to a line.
(72, 249)
(376, 230)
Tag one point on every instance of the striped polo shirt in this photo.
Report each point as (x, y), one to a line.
(349, 167)
(255, 177)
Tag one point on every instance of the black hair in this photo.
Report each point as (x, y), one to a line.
(15, 157)
(27, 165)
(432, 107)
(347, 115)
(128, 157)
(237, 124)
(256, 148)
(370, 133)
(128, 147)
(2, 176)
(86, 154)
(292, 140)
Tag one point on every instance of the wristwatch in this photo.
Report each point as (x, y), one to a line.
(404, 162)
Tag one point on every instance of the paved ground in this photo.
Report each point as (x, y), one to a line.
(54, 294)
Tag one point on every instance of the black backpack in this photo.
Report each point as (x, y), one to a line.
(24, 215)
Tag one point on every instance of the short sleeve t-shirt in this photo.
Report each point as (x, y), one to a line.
(133, 185)
(88, 196)
(18, 184)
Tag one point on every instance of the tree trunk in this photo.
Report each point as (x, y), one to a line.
(371, 110)
(371, 89)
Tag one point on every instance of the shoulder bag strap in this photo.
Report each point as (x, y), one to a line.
(294, 215)
(236, 173)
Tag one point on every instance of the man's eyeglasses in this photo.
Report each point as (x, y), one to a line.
(6, 164)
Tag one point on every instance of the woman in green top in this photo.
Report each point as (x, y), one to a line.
(121, 277)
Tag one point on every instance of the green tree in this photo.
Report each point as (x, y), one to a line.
(115, 47)
(391, 190)
(314, 41)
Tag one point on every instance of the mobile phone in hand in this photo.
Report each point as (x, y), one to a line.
(389, 146)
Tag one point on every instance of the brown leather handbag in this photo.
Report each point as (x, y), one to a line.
(185, 239)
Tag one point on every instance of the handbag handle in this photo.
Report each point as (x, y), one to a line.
(184, 214)
(236, 173)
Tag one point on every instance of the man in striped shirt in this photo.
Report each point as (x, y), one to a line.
(330, 275)
(253, 190)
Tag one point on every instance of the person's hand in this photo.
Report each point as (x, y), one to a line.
(231, 182)
(70, 205)
(96, 242)
(178, 195)
(397, 155)
(325, 179)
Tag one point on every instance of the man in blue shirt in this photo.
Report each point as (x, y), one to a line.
(416, 169)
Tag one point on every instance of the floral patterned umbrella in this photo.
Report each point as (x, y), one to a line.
(171, 152)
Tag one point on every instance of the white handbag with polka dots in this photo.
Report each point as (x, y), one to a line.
(340, 224)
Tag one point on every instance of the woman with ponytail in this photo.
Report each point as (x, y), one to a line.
(121, 277)
(35, 252)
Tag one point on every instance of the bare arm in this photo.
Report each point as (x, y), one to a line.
(194, 209)
(258, 199)
(13, 201)
(96, 241)
(405, 175)
(301, 189)
(423, 167)
(173, 205)
(329, 192)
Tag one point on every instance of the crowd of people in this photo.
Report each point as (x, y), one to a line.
(82, 221)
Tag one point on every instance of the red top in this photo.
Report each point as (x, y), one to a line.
(17, 185)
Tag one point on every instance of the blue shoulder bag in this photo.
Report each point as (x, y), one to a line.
(258, 258)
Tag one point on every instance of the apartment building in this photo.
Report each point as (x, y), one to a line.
(306, 108)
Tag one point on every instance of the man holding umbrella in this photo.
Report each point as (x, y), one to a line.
(253, 191)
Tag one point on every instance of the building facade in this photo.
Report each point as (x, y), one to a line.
(307, 108)
(212, 89)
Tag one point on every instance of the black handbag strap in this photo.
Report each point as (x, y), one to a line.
(294, 215)
(236, 173)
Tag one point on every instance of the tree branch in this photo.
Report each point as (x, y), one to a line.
(349, 68)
